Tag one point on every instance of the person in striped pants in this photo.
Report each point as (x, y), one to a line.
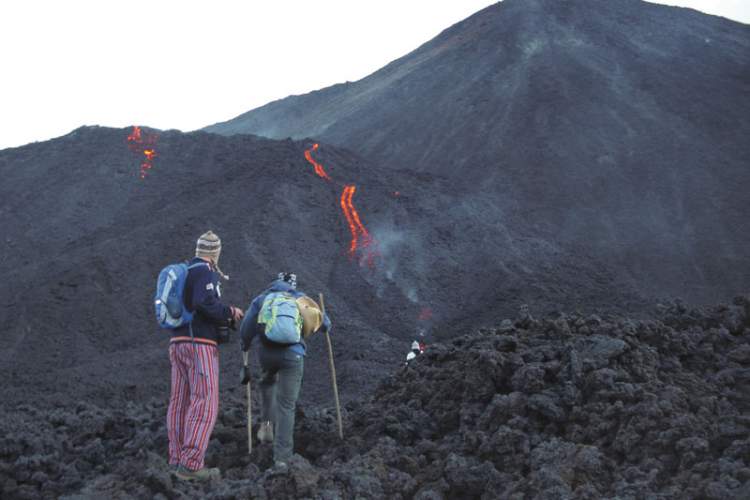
(194, 355)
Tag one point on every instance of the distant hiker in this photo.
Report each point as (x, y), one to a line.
(417, 348)
(194, 355)
(524, 319)
(282, 317)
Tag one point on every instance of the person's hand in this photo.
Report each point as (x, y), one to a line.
(244, 375)
(237, 314)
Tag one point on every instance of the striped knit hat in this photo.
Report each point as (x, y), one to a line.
(209, 247)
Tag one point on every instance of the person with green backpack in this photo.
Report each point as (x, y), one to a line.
(282, 317)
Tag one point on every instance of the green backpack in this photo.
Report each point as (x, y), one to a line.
(281, 317)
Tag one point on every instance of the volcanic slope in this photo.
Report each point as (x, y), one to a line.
(85, 237)
(619, 125)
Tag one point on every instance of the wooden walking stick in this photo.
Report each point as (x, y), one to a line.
(249, 407)
(333, 373)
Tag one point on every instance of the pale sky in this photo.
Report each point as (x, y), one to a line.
(185, 64)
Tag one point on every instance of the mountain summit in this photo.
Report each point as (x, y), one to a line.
(619, 125)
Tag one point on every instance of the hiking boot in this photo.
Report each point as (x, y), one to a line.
(278, 468)
(265, 433)
(203, 474)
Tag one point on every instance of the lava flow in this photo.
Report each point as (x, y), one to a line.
(318, 167)
(137, 143)
(361, 238)
(352, 218)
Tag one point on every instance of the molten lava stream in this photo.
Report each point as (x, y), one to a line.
(137, 143)
(360, 237)
(318, 167)
(356, 227)
(346, 207)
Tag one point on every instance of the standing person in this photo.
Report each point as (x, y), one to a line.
(194, 355)
(282, 359)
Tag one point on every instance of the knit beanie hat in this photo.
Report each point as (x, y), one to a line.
(290, 278)
(209, 247)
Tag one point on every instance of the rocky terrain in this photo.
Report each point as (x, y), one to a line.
(565, 406)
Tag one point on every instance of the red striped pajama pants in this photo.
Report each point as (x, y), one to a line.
(193, 402)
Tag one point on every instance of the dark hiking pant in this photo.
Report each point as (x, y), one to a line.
(281, 379)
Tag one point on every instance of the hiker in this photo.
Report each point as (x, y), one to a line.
(524, 320)
(281, 357)
(416, 350)
(194, 355)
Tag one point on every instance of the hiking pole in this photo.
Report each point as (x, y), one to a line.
(333, 373)
(249, 407)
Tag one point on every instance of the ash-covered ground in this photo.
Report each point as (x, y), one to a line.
(565, 406)
(618, 125)
(85, 238)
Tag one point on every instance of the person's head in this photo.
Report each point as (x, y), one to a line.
(290, 278)
(208, 247)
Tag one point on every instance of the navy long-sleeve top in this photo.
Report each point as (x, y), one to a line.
(202, 296)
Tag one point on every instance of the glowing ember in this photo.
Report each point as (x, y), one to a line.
(425, 314)
(138, 144)
(135, 136)
(318, 167)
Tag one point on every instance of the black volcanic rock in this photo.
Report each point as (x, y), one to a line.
(619, 408)
(617, 125)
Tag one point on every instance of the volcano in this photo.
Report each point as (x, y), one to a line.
(618, 126)
(515, 193)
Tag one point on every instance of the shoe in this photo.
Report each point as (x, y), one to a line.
(265, 433)
(203, 474)
(279, 468)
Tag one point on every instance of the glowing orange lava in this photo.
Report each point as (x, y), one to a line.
(347, 207)
(135, 136)
(360, 236)
(318, 167)
(137, 143)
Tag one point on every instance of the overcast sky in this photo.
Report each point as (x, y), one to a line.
(187, 64)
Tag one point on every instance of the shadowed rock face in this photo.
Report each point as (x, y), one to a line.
(617, 125)
(567, 406)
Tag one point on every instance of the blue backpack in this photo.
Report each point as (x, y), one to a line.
(170, 309)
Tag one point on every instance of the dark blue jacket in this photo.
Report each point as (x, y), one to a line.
(250, 327)
(202, 296)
